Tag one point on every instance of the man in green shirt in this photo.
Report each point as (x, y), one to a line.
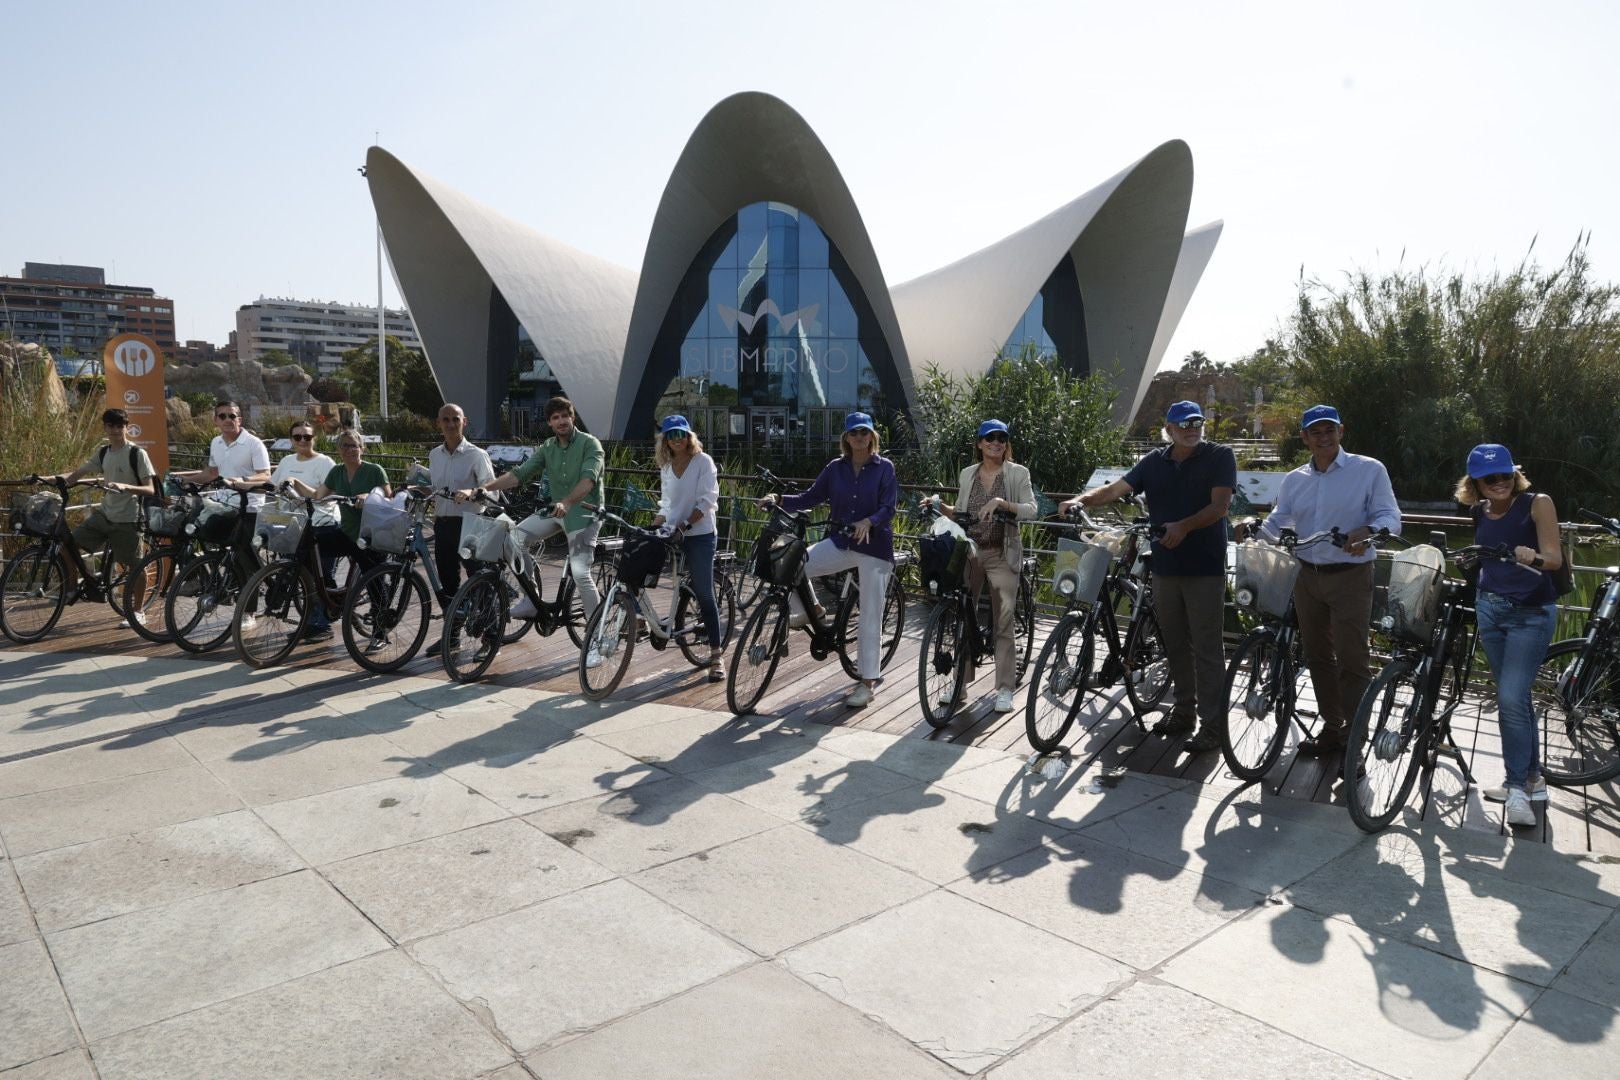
(572, 461)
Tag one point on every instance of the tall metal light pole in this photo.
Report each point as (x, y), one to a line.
(382, 325)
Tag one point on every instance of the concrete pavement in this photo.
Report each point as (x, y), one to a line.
(214, 872)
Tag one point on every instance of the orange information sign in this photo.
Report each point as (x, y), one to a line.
(133, 367)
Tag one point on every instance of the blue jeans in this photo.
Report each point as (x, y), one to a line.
(699, 554)
(1515, 641)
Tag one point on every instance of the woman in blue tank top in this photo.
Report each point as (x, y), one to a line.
(1515, 609)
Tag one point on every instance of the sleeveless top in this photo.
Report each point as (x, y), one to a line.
(989, 535)
(1524, 585)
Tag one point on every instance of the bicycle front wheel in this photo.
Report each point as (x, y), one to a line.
(32, 594)
(1577, 711)
(609, 641)
(1257, 709)
(943, 663)
(847, 627)
(1058, 683)
(1147, 666)
(386, 618)
(760, 648)
(279, 597)
(201, 605)
(1023, 629)
(473, 627)
(1382, 757)
(145, 592)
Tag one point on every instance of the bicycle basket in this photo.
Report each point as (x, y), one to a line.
(641, 561)
(779, 557)
(282, 528)
(38, 514)
(1412, 600)
(1266, 574)
(385, 524)
(170, 521)
(1079, 569)
(485, 539)
(215, 522)
(943, 559)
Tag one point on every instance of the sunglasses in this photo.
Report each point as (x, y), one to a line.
(225, 416)
(675, 435)
(302, 438)
(996, 436)
(1189, 425)
(348, 446)
(1496, 478)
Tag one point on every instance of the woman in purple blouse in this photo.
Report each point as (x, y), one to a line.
(860, 490)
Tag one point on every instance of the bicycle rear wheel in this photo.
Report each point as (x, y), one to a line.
(386, 618)
(1385, 748)
(1257, 709)
(942, 663)
(474, 627)
(201, 606)
(32, 594)
(1578, 716)
(152, 578)
(609, 639)
(1147, 666)
(760, 648)
(1058, 683)
(280, 596)
(1023, 629)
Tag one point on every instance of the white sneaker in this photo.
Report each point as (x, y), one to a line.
(859, 698)
(1004, 701)
(138, 617)
(946, 701)
(523, 609)
(593, 659)
(249, 622)
(1536, 789)
(1519, 811)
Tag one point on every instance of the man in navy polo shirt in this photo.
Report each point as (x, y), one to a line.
(1188, 484)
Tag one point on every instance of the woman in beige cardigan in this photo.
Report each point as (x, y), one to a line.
(995, 483)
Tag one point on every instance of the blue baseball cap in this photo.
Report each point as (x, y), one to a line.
(1488, 459)
(1183, 410)
(675, 422)
(1317, 413)
(855, 421)
(993, 425)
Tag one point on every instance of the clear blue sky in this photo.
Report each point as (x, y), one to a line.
(209, 149)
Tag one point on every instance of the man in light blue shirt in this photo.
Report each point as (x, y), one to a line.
(1333, 597)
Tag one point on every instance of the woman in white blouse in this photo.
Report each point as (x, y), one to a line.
(689, 493)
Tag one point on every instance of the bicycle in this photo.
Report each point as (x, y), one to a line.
(476, 620)
(1402, 726)
(845, 586)
(388, 611)
(1108, 593)
(281, 594)
(613, 630)
(957, 636)
(146, 587)
(199, 607)
(33, 587)
(1576, 696)
(1267, 673)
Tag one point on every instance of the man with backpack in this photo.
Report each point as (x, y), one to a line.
(126, 477)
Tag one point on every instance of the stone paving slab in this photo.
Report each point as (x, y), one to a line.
(1183, 1036)
(776, 889)
(575, 962)
(376, 1017)
(1078, 798)
(138, 968)
(104, 878)
(16, 921)
(801, 780)
(1561, 1036)
(755, 1023)
(1405, 1010)
(94, 811)
(34, 1021)
(152, 751)
(925, 970)
(1595, 973)
(72, 1065)
(448, 881)
(369, 817)
(703, 742)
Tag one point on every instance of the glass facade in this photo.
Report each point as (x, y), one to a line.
(768, 338)
(1054, 324)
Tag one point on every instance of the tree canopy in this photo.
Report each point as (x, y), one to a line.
(411, 385)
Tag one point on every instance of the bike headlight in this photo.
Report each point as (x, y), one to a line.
(362, 543)
(191, 528)
(258, 540)
(1244, 598)
(1067, 585)
(465, 553)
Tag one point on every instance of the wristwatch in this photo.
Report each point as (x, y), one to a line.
(1538, 562)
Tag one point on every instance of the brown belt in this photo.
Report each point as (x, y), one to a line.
(1331, 567)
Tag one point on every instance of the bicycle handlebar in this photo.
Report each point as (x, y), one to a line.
(1610, 525)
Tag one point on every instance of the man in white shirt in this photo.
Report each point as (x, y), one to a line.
(241, 459)
(458, 465)
(1333, 597)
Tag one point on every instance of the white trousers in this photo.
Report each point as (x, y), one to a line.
(581, 552)
(826, 558)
